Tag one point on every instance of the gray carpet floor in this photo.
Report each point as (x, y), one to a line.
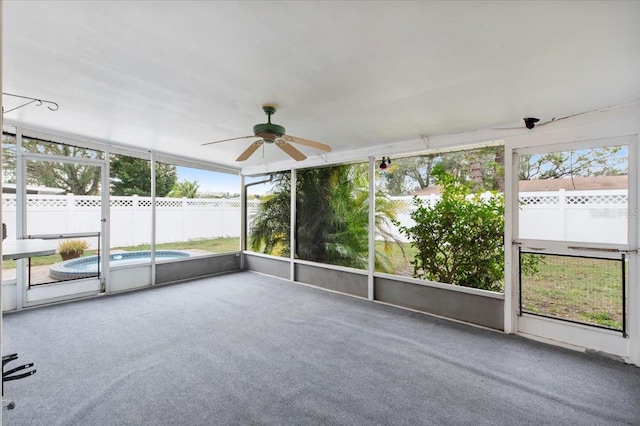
(245, 349)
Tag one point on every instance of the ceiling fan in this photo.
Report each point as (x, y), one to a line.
(272, 133)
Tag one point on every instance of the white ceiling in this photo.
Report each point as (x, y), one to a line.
(169, 76)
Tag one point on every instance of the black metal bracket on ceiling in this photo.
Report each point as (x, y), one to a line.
(52, 105)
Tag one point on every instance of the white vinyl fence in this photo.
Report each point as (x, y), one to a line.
(177, 219)
(596, 216)
(585, 216)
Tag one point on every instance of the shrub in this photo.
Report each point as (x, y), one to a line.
(69, 249)
(460, 239)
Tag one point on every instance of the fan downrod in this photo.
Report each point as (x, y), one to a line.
(269, 110)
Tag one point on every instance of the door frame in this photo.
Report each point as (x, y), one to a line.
(72, 289)
(572, 335)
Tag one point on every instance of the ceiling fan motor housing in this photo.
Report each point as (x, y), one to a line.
(268, 131)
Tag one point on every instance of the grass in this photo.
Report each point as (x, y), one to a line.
(41, 260)
(578, 289)
(214, 245)
(399, 260)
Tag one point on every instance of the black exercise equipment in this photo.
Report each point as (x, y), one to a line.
(10, 375)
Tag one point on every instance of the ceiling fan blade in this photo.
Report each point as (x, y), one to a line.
(307, 142)
(226, 140)
(249, 151)
(289, 149)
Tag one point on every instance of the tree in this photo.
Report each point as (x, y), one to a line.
(129, 175)
(406, 175)
(185, 188)
(132, 176)
(79, 179)
(607, 161)
(332, 217)
(482, 168)
(270, 227)
(8, 158)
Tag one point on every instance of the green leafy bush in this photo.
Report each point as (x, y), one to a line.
(460, 239)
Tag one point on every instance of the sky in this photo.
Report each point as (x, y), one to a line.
(219, 182)
(210, 181)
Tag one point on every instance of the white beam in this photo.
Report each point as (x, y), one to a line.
(292, 228)
(372, 227)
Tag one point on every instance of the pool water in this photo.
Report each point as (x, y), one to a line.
(88, 266)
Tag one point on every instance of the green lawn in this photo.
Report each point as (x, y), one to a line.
(215, 245)
(40, 260)
(399, 260)
(578, 289)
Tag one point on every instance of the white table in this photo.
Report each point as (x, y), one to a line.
(19, 249)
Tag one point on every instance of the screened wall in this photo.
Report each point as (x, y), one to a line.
(86, 199)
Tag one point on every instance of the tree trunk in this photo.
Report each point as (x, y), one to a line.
(499, 159)
(475, 173)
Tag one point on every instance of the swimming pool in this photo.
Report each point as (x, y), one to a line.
(88, 266)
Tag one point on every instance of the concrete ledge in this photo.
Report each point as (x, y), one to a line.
(265, 264)
(354, 283)
(462, 306)
(195, 267)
